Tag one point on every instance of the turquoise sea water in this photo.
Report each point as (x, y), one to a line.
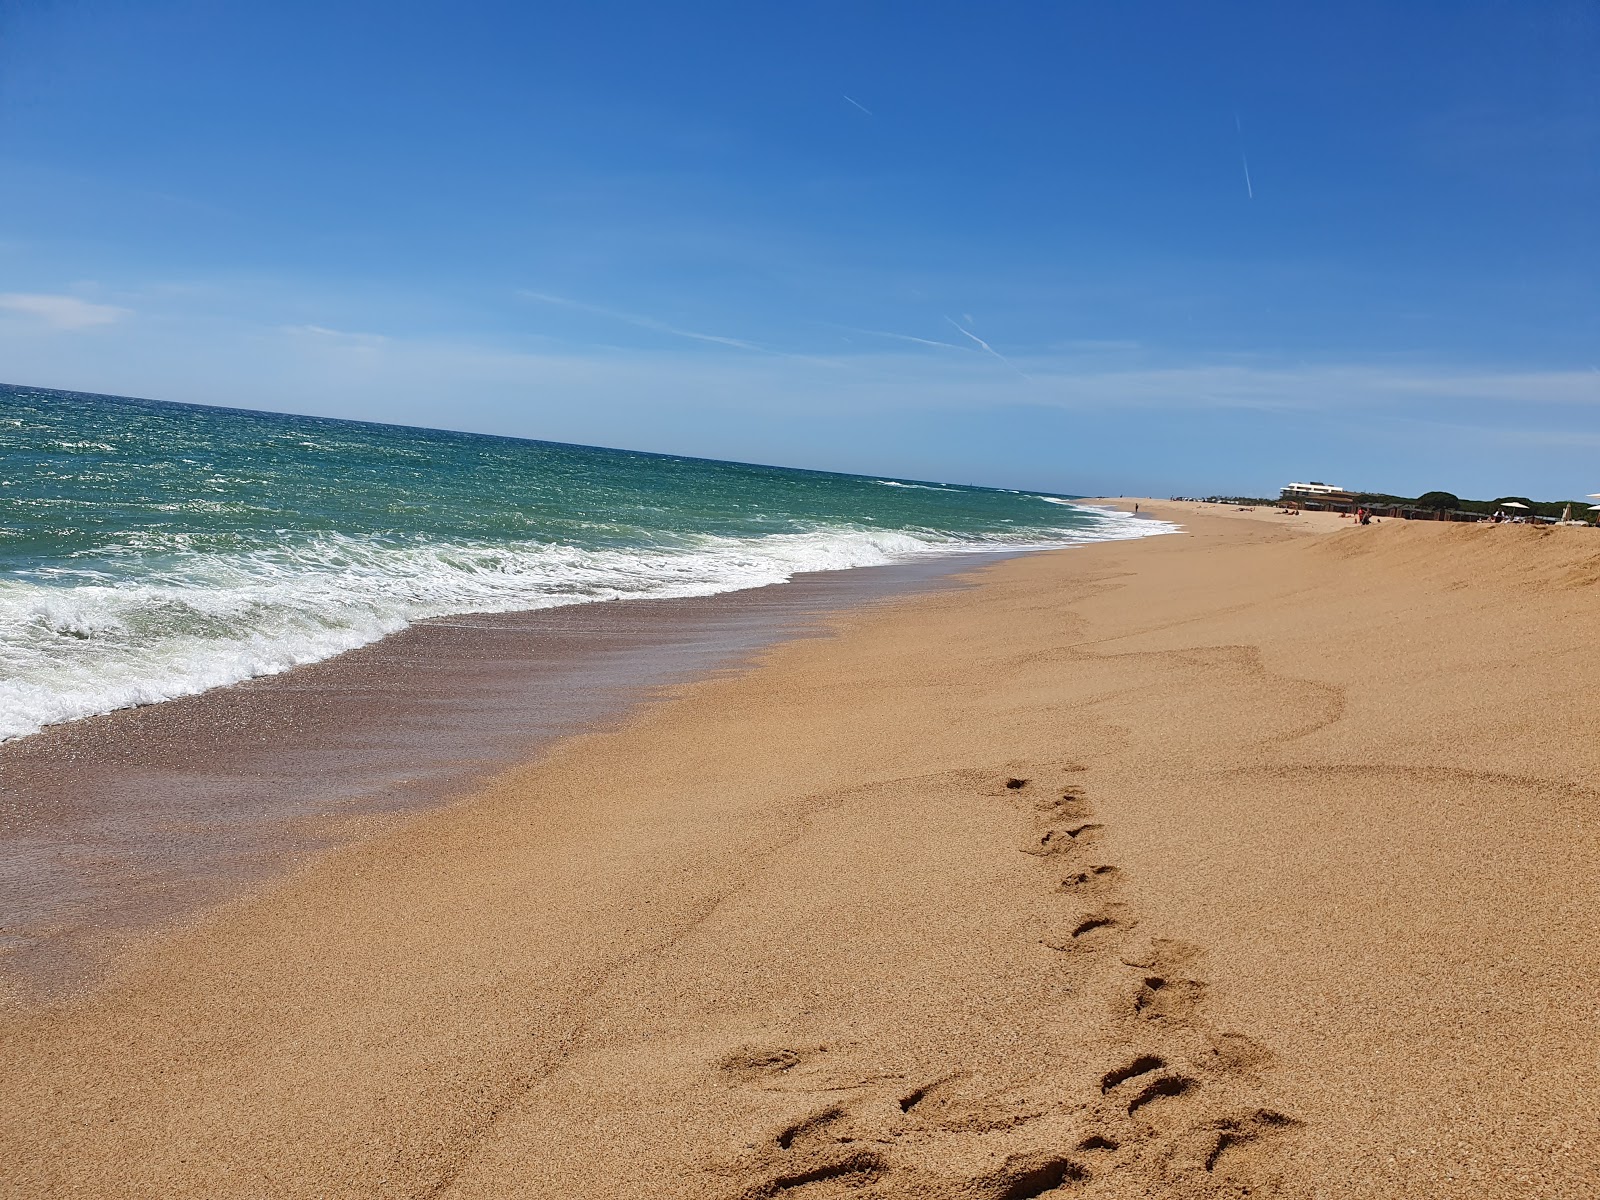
(151, 550)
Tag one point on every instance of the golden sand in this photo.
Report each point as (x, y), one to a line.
(1236, 862)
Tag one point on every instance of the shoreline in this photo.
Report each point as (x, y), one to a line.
(1235, 859)
(134, 820)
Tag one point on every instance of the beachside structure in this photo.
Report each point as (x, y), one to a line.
(1316, 494)
(1327, 497)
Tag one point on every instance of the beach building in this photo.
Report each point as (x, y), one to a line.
(1317, 495)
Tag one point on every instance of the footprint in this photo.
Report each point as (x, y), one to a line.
(1090, 877)
(916, 1096)
(853, 1167)
(1020, 779)
(1168, 1087)
(1068, 804)
(1234, 1134)
(1092, 930)
(1142, 1065)
(802, 1131)
(760, 1062)
(1063, 839)
(1027, 1176)
(1163, 999)
(1161, 955)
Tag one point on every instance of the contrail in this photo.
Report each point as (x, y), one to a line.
(1009, 364)
(657, 326)
(642, 322)
(1249, 191)
(906, 337)
(858, 104)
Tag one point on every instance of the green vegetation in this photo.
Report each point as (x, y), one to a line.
(1446, 501)
(1434, 501)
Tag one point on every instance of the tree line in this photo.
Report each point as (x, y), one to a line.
(1436, 501)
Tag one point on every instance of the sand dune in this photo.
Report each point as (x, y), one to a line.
(1237, 862)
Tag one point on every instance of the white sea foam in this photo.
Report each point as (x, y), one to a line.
(78, 642)
(921, 487)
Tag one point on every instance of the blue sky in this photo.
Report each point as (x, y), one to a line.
(1009, 244)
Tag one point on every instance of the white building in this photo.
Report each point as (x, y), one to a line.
(1316, 492)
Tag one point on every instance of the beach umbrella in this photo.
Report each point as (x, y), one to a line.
(1594, 495)
(1594, 508)
(1513, 504)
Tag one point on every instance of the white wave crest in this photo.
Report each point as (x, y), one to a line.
(185, 620)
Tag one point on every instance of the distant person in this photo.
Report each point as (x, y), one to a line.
(1135, 508)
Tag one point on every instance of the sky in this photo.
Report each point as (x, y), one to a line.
(1125, 248)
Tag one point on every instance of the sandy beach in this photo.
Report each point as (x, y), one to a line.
(142, 817)
(1240, 861)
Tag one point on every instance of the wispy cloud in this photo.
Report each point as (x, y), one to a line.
(642, 322)
(62, 311)
(906, 337)
(337, 336)
(968, 333)
(1249, 188)
(1311, 386)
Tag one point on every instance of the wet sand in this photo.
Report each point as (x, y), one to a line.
(1237, 862)
(135, 819)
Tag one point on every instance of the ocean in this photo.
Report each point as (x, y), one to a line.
(151, 550)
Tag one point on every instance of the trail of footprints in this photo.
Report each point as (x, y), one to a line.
(1176, 1112)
